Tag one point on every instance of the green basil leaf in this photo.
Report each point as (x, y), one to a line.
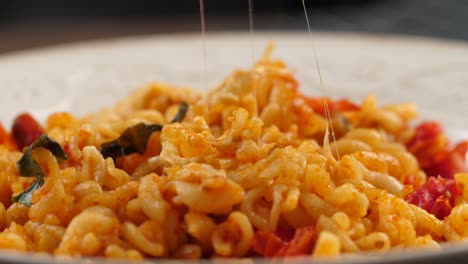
(25, 196)
(135, 139)
(50, 144)
(179, 117)
(138, 135)
(28, 166)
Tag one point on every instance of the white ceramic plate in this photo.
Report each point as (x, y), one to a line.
(88, 76)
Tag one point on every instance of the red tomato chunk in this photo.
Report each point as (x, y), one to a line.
(269, 244)
(430, 147)
(25, 130)
(437, 196)
(340, 105)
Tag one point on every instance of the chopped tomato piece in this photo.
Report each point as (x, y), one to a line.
(318, 105)
(284, 233)
(461, 148)
(437, 196)
(344, 105)
(25, 130)
(269, 244)
(428, 143)
(424, 132)
(441, 207)
(266, 243)
(301, 244)
(413, 180)
(453, 162)
(430, 147)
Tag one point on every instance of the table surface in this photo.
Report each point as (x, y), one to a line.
(433, 18)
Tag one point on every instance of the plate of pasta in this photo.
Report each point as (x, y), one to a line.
(141, 149)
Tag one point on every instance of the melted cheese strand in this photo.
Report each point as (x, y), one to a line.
(204, 53)
(325, 101)
(203, 35)
(252, 49)
(251, 28)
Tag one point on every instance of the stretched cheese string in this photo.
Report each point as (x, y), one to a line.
(322, 86)
(251, 30)
(204, 53)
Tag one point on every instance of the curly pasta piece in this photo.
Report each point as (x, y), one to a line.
(462, 181)
(456, 223)
(234, 236)
(140, 241)
(47, 237)
(201, 227)
(85, 232)
(16, 213)
(151, 201)
(298, 217)
(93, 166)
(271, 168)
(316, 206)
(114, 177)
(325, 223)
(327, 245)
(379, 162)
(317, 180)
(255, 209)
(400, 230)
(15, 238)
(56, 202)
(426, 241)
(84, 136)
(3, 217)
(117, 252)
(348, 146)
(376, 241)
(134, 212)
(281, 204)
(194, 192)
(369, 136)
(348, 199)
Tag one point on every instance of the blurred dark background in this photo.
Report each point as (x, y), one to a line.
(32, 23)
